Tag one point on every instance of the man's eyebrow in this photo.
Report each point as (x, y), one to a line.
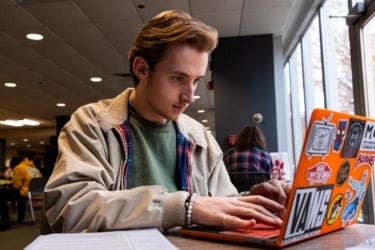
(181, 73)
(177, 72)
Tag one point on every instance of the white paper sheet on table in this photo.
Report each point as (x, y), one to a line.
(116, 240)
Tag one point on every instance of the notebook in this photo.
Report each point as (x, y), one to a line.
(329, 185)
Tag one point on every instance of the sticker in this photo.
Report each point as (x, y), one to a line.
(353, 139)
(320, 138)
(351, 209)
(368, 140)
(340, 134)
(278, 170)
(343, 173)
(319, 173)
(348, 194)
(365, 159)
(335, 209)
(308, 212)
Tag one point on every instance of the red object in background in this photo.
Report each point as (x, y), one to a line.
(232, 139)
(210, 85)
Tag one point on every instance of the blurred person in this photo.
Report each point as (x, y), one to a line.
(6, 195)
(249, 153)
(136, 161)
(23, 172)
(4, 213)
(50, 156)
(7, 174)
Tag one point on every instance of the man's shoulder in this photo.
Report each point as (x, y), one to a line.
(187, 120)
(194, 130)
(107, 112)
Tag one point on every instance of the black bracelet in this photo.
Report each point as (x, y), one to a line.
(189, 208)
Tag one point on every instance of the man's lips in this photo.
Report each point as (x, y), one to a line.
(180, 108)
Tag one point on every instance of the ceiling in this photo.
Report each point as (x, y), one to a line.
(84, 38)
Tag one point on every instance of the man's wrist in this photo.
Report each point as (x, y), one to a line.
(189, 203)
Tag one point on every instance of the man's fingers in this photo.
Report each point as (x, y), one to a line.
(265, 188)
(267, 203)
(230, 221)
(273, 189)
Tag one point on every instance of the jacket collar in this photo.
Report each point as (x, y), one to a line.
(115, 112)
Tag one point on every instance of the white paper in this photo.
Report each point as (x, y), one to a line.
(116, 240)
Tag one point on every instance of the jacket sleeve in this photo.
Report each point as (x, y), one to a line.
(219, 181)
(83, 193)
(209, 174)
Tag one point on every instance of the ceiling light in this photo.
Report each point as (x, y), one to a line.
(29, 122)
(96, 79)
(25, 140)
(200, 111)
(12, 123)
(20, 123)
(60, 104)
(10, 84)
(204, 121)
(34, 36)
(197, 97)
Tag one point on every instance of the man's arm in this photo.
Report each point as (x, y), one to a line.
(85, 191)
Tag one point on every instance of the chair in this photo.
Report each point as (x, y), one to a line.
(36, 189)
(243, 181)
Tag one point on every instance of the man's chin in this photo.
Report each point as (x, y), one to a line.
(173, 117)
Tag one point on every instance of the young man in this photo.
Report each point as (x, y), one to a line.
(137, 161)
(22, 175)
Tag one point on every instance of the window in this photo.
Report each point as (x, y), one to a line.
(319, 69)
(364, 55)
(336, 56)
(311, 52)
(319, 73)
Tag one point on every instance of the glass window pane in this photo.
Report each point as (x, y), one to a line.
(312, 63)
(336, 56)
(369, 56)
(369, 94)
(291, 149)
(297, 99)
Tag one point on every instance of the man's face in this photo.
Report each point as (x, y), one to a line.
(169, 88)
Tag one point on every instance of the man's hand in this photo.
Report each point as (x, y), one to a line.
(273, 189)
(236, 212)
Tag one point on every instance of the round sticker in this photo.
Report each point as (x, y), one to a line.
(335, 209)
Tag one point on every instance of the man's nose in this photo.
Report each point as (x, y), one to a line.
(188, 95)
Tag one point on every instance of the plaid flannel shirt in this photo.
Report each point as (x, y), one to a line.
(250, 160)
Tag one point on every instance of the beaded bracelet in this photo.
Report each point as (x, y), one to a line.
(189, 208)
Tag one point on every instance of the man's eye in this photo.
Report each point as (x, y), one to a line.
(178, 78)
(197, 81)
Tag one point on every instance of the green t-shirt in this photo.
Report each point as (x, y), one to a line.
(154, 159)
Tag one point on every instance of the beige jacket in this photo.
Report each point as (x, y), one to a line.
(86, 193)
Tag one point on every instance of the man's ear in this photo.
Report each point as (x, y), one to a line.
(140, 67)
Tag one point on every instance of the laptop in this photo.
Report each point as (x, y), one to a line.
(329, 185)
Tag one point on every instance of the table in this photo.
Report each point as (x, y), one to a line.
(352, 236)
(5, 183)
